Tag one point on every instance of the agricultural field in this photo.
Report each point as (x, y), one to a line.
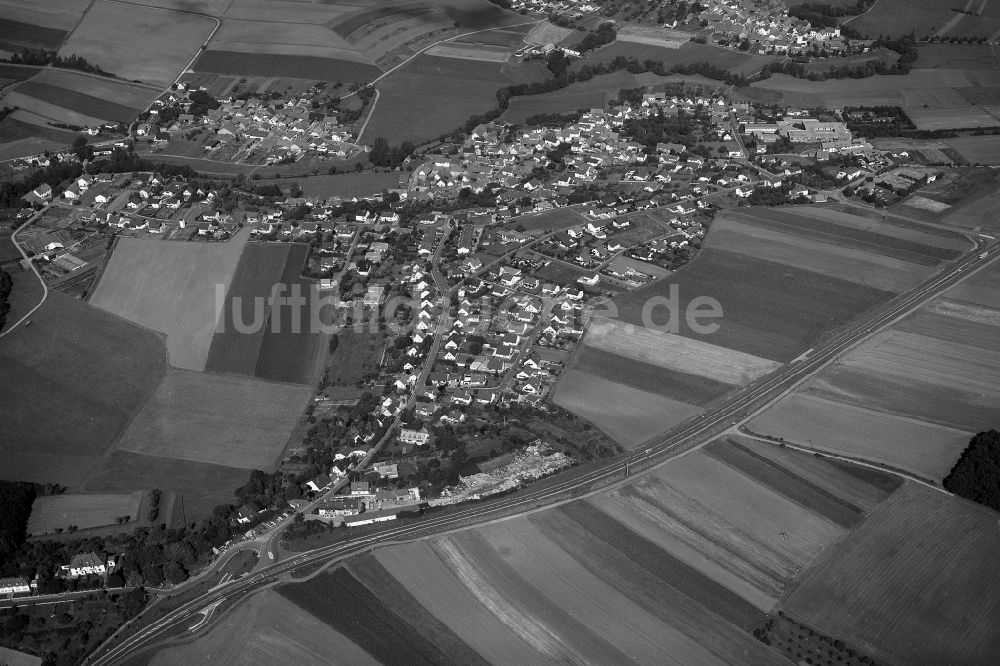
(199, 486)
(872, 91)
(924, 449)
(547, 33)
(927, 18)
(783, 278)
(22, 135)
(463, 51)
(62, 16)
(513, 36)
(265, 629)
(220, 420)
(77, 102)
(547, 221)
(910, 397)
(955, 56)
(171, 287)
(136, 42)
(239, 63)
(11, 657)
(34, 111)
(918, 577)
(341, 184)
(16, 36)
(102, 368)
(237, 341)
(585, 95)
(689, 52)
(52, 512)
(292, 350)
(686, 560)
(977, 149)
(433, 96)
(964, 117)
(677, 353)
(880, 272)
(629, 415)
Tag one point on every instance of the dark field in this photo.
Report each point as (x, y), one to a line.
(785, 482)
(16, 35)
(7, 250)
(203, 486)
(259, 269)
(72, 381)
(370, 572)
(79, 102)
(341, 601)
(659, 569)
(290, 355)
(272, 65)
(690, 52)
(692, 389)
(433, 96)
(512, 37)
(924, 400)
(770, 310)
(17, 72)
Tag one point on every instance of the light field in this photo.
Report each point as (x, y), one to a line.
(674, 352)
(925, 449)
(138, 43)
(547, 33)
(977, 149)
(918, 577)
(720, 522)
(952, 118)
(41, 112)
(231, 421)
(664, 37)
(880, 272)
(483, 52)
(266, 629)
(628, 415)
(53, 512)
(171, 287)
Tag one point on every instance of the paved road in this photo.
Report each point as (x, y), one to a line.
(34, 269)
(691, 434)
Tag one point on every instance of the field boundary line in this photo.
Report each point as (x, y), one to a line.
(861, 14)
(421, 51)
(371, 112)
(34, 269)
(822, 453)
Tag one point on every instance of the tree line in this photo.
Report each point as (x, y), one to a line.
(44, 58)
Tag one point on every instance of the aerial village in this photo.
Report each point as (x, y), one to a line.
(500, 247)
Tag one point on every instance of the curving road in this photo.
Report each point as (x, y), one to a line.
(687, 436)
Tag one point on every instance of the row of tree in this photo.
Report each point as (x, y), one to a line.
(43, 58)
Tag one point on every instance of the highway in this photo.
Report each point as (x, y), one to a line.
(722, 416)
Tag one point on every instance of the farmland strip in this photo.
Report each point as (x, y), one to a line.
(524, 626)
(858, 238)
(341, 601)
(662, 565)
(376, 578)
(694, 614)
(785, 482)
(689, 388)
